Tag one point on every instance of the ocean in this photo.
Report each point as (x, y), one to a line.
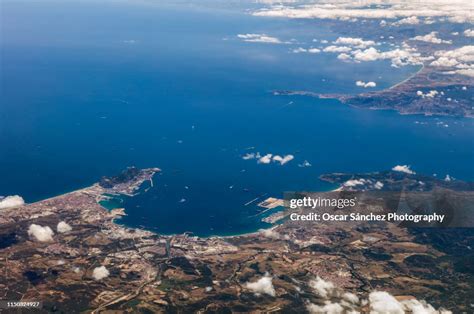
(88, 89)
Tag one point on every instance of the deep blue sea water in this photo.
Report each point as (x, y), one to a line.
(88, 89)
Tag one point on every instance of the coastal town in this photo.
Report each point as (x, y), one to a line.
(90, 263)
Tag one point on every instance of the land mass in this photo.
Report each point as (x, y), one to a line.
(412, 96)
(152, 273)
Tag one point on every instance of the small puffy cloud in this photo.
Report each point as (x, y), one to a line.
(268, 158)
(100, 273)
(354, 42)
(466, 72)
(445, 62)
(412, 20)
(403, 168)
(365, 85)
(430, 94)
(260, 38)
(248, 156)
(304, 50)
(378, 185)
(344, 56)
(262, 286)
(463, 54)
(469, 33)
(40, 233)
(323, 288)
(265, 159)
(283, 160)
(370, 54)
(11, 201)
(421, 307)
(63, 227)
(350, 297)
(337, 49)
(299, 50)
(314, 50)
(354, 182)
(305, 164)
(431, 38)
(329, 308)
(398, 57)
(382, 302)
(272, 234)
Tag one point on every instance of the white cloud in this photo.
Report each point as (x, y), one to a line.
(248, 156)
(412, 20)
(309, 50)
(337, 301)
(261, 286)
(431, 38)
(456, 11)
(299, 50)
(100, 273)
(378, 185)
(265, 159)
(305, 164)
(272, 234)
(365, 85)
(337, 49)
(466, 72)
(370, 54)
(283, 160)
(398, 57)
(382, 302)
(350, 297)
(403, 168)
(463, 54)
(11, 201)
(354, 182)
(354, 42)
(329, 308)
(430, 94)
(260, 38)
(268, 158)
(63, 227)
(448, 178)
(458, 61)
(42, 234)
(314, 50)
(444, 62)
(420, 307)
(344, 56)
(323, 288)
(469, 33)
